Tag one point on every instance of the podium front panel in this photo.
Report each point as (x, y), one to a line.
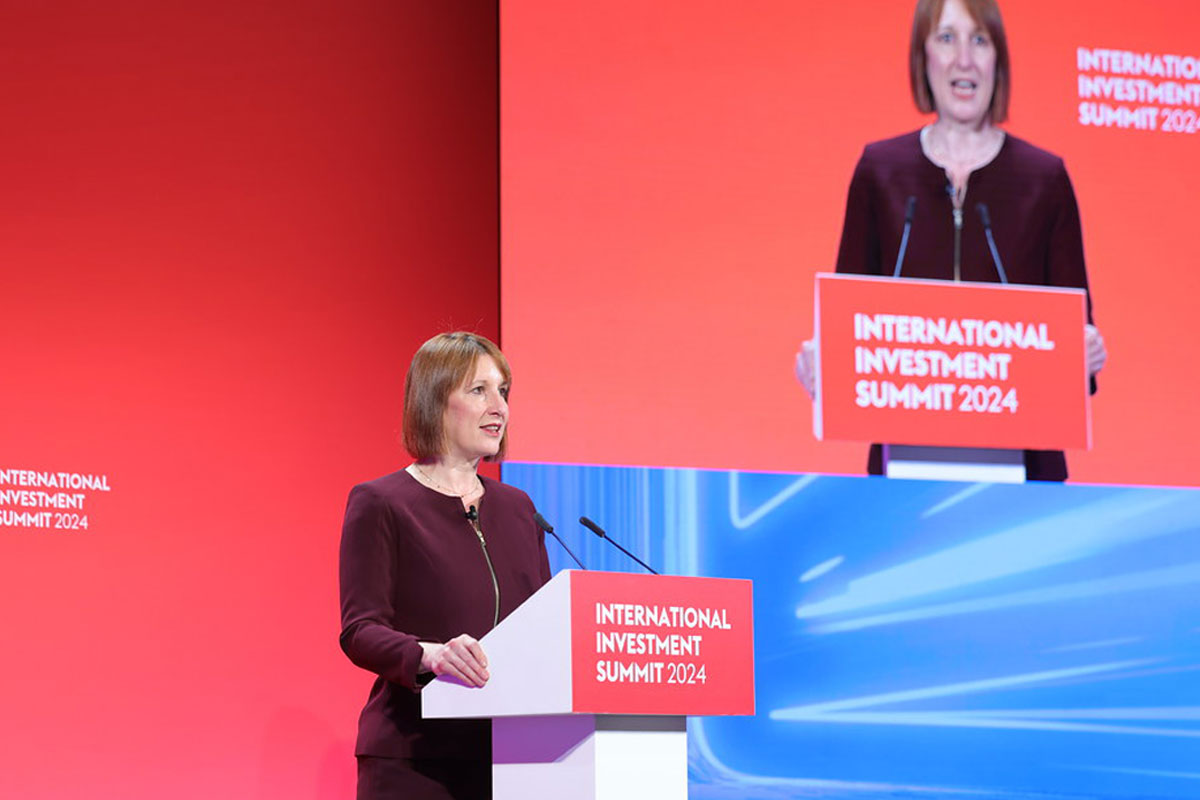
(649, 644)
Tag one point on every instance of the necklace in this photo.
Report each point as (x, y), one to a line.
(429, 479)
(937, 149)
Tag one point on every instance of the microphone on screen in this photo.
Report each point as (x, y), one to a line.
(548, 528)
(471, 514)
(910, 206)
(986, 218)
(596, 529)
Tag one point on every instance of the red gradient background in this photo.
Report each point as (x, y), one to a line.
(225, 229)
(673, 175)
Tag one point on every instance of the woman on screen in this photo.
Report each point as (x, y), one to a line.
(432, 558)
(959, 176)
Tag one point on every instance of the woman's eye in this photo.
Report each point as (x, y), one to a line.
(980, 39)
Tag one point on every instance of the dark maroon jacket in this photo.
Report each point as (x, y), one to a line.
(412, 569)
(1034, 217)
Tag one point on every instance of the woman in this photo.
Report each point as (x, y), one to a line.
(959, 69)
(432, 557)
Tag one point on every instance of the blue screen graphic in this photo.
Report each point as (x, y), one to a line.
(920, 639)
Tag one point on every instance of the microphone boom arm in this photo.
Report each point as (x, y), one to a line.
(596, 529)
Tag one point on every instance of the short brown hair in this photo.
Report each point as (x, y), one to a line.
(440, 366)
(987, 15)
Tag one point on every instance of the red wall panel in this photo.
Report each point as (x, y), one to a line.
(224, 229)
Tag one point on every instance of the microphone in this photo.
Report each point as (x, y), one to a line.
(548, 528)
(909, 207)
(471, 514)
(596, 529)
(986, 218)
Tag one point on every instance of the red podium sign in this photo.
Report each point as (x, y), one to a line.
(928, 362)
(649, 644)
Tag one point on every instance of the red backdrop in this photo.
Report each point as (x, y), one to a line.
(224, 230)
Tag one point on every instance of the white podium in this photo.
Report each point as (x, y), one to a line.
(593, 677)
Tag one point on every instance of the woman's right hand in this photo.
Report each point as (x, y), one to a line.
(462, 657)
(805, 369)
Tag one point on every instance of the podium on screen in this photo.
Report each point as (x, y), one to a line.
(975, 372)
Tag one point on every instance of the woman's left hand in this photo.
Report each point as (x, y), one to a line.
(805, 369)
(462, 658)
(1097, 355)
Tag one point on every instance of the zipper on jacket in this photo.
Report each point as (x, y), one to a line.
(487, 557)
(958, 223)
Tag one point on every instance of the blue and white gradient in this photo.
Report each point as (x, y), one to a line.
(925, 639)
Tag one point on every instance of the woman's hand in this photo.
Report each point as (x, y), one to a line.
(462, 657)
(1097, 355)
(805, 372)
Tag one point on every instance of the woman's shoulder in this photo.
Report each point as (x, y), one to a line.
(1029, 158)
(374, 504)
(395, 486)
(905, 148)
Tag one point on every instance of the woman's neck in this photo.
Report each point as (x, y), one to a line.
(456, 477)
(958, 145)
(961, 149)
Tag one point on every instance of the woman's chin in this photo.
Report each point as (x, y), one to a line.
(970, 115)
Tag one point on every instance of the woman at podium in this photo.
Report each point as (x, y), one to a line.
(432, 558)
(947, 188)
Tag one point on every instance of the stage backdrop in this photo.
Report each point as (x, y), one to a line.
(225, 229)
(675, 173)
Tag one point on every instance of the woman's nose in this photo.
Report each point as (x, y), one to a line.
(963, 56)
